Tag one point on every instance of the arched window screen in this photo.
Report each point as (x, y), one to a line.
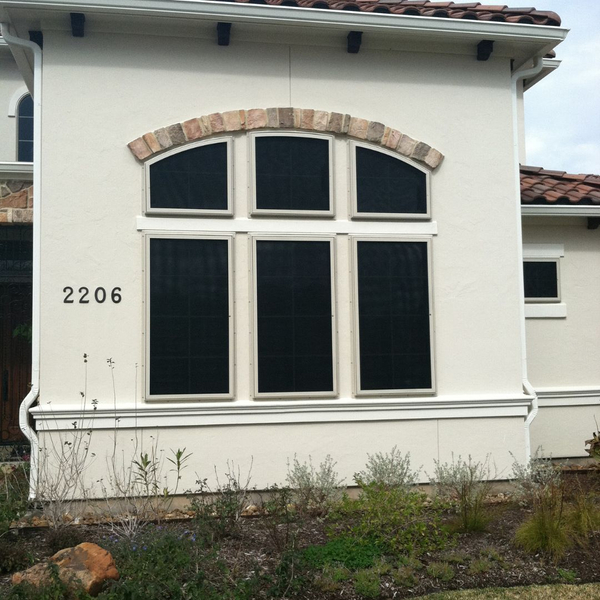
(25, 130)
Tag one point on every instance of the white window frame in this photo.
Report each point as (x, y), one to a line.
(147, 331)
(355, 215)
(358, 392)
(204, 212)
(554, 300)
(272, 212)
(254, 238)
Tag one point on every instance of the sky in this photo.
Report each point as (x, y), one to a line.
(562, 112)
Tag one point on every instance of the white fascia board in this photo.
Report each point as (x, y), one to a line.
(549, 65)
(19, 171)
(561, 210)
(548, 36)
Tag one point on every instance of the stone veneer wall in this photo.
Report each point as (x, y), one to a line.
(305, 119)
(16, 202)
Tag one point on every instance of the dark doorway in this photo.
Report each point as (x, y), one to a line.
(16, 261)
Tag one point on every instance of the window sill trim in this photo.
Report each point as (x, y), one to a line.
(546, 310)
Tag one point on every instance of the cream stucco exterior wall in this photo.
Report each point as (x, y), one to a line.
(102, 91)
(564, 353)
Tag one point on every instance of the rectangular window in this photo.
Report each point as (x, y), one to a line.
(394, 316)
(292, 174)
(190, 317)
(541, 280)
(193, 180)
(294, 317)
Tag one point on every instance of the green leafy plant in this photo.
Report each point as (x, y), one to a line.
(315, 490)
(567, 575)
(391, 470)
(440, 570)
(367, 583)
(331, 578)
(346, 551)
(405, 577)
(466, 484)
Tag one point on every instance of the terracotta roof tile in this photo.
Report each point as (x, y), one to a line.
(423, 8)
(541, 186)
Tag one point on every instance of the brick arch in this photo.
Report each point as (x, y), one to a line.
(154, 142)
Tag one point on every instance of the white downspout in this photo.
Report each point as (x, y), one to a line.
(32, 396)
(527, 387)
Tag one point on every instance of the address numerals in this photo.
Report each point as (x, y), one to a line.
(99, 295)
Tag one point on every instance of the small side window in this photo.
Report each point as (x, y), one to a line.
(541, 279)
(25, 130)
(385, 186)
(193, 180)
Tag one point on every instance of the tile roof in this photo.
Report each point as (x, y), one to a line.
(422, 8)
(542, 187)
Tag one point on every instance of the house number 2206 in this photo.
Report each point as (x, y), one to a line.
(100, 295)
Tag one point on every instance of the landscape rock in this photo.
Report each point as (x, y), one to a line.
(86, 566)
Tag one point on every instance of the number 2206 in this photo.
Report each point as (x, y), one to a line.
(100, 295)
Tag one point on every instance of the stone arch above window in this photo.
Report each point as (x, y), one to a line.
(155, 142)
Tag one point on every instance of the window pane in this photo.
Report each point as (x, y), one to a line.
(189, 317)
(25, 130)
(292, 173)
(541, 279)
(293, 287)
(193, 179)
(393, 309)
(385, 184)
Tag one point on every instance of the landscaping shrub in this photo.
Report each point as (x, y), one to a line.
(367, 583)
(388, 470)
(393, 519)
(466, 484)
(480, 565)
(405, 577)
(345, 551)
(315, 491)
(279, 518)
(440, 570)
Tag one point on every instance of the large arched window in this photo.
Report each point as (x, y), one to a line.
(306, 285)
(25, 130)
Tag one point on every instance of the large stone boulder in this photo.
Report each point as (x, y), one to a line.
(86, 566)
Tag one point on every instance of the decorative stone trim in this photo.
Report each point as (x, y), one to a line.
(16, 202)
(154, 142)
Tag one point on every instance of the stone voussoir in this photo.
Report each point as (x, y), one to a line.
(287, 117)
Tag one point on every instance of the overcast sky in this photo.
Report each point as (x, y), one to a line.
(562, 112)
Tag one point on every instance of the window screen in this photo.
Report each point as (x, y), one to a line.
(393, 308)
(25, 126)
(292, 173)
(541, 279)
(195, 179)
(293, 287)
(189, 316)
(385, 184)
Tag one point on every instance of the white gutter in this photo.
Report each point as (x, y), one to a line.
(279, 15)
(538, 65)
(21, 171)
(561, 210)
(32, 396)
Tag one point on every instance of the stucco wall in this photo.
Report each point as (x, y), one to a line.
(107, 89)
(11, 83)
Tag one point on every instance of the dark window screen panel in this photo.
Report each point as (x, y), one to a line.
(393, 309)
(25, 130)
(292, 173)
(195, 179)
(385, 184)
(293, 286)
(189, 317)
(541, 280)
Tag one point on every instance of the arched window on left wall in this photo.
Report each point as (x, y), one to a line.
(25, 130)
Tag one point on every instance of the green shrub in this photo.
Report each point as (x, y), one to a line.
(567, 575)
(440, 570)
(331, 578)
(388, 470)
(410, 561)
(491, 554)
(346, 551)
(545, 531)
(479, 565)
(457, 558)
(583, 515)
(315, 490)
(13, 556)
(367, 583)
(405, 577)
(395, 520)
(466, 484)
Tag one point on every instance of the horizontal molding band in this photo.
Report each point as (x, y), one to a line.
(21, 171)
(545, 310)
(65, 417)
(260, 225)
(556, 397)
